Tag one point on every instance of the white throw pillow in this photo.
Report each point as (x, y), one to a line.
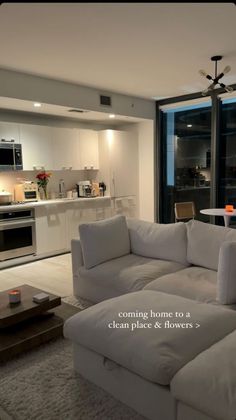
(204, 242)
(161, 241)
(104, 240)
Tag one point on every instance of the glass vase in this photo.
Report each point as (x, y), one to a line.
(45, 193)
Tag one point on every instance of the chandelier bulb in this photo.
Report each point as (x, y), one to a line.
(203, 73)
(228, 89)
(205, 92)
(226, 69)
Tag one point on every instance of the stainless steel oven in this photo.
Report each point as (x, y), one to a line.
(17, 233)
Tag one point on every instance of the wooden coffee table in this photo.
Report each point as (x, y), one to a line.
(29, 324)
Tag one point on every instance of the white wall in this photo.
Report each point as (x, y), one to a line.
(146, 170)
(145, 134)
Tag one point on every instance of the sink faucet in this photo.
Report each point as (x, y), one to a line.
(62, 191)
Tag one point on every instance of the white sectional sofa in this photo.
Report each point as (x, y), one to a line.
(135, 268)
(194, 260)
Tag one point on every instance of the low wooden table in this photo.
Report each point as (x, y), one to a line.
(29, 324)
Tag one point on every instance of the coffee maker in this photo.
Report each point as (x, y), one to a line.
(84, 188)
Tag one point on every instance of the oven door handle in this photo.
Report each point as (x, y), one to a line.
(16, 224)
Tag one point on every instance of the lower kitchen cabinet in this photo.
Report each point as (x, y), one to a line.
(50, 229)
(76, 215)
(57, 224)
(85, 211)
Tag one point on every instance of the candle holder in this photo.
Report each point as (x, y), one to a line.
(229, 208)
(14, 296)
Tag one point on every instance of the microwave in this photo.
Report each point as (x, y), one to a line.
(10, 157)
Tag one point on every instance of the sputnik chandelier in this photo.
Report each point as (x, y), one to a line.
(216, 79)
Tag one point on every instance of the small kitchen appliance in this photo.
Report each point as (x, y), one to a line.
(5, 198)
(10, 156)
(84, 189)
(26, 191)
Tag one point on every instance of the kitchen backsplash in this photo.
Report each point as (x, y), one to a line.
(9, 179)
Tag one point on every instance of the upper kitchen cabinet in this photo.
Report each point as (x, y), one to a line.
(9, 131)
(36, 143)
(66, 148)
(88, 149)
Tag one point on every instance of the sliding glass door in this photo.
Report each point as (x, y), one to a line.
(186, 158)
(227, 153)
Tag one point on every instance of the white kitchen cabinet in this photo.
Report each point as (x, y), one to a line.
(9, 131)
(118, 157)
(36, 143)
(75, 215)
(65, 144)
(51, 229)
(85, 211)
(88, 149)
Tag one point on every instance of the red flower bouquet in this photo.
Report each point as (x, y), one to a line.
(42, 181)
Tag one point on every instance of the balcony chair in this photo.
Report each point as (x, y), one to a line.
(184, 211)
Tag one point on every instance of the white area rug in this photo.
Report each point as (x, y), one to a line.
(42, 385)
(78, 302)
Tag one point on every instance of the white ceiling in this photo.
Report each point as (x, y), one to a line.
(150, 50)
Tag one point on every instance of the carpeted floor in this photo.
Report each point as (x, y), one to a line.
(42, 385)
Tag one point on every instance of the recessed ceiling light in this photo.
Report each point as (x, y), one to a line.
(112, 116)
(37, 104)
(189, 125)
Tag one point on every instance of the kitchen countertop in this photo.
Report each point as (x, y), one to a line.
(193, 188)
(53, 201)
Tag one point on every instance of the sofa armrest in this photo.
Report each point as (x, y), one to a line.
(77, 262)
(226, 276)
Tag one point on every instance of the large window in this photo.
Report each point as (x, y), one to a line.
(186, 158)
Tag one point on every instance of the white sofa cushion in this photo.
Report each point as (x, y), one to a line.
(211, 377)
(195, 283)
(121, 275)
(154, 240)
(204, 242)
(103, 240)
(226, 276)
(155, 354)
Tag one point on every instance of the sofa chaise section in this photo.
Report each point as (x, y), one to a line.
(151, 356)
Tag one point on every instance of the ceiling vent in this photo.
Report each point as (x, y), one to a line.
(105, 100)
(80, 111)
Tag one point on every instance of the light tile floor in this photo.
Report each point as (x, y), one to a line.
(54, 275)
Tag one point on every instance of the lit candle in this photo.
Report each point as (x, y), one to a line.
(229, 208)
(14, 296)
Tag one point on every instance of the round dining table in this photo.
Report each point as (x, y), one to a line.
(220, 212)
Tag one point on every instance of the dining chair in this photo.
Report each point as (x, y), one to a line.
(185, 210)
